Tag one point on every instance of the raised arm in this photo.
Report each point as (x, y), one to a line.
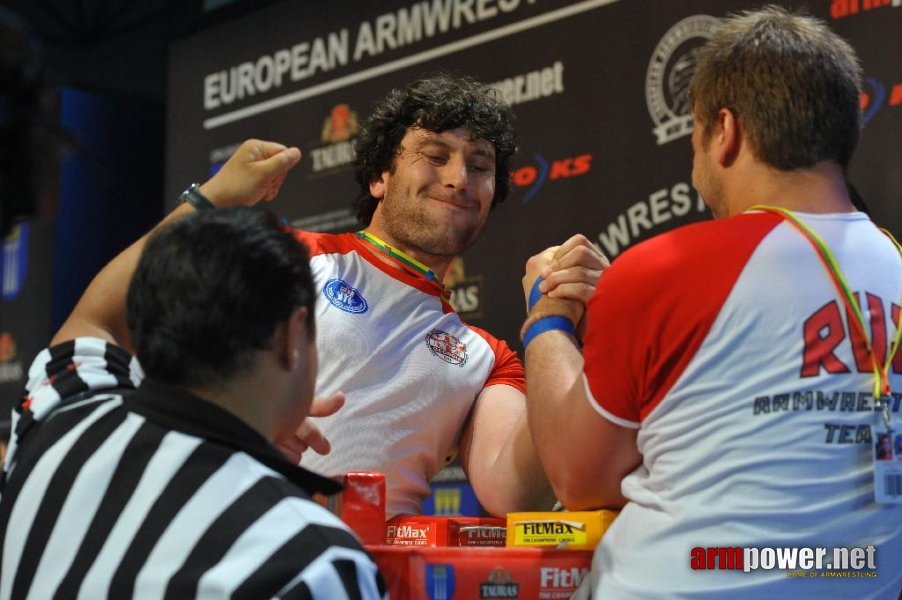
(498, 450)
(254, 172)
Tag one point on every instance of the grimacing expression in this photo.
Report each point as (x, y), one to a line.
(438, 194)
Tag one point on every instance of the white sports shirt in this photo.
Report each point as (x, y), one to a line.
(727, 346)
(410, 367)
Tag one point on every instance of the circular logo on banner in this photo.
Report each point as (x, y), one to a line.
(344, 297)
(447, 347)
(669, 73)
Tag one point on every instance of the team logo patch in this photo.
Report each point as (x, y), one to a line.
(344, 297)
(447, 347)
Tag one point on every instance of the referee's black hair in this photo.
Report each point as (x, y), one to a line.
(209, 292)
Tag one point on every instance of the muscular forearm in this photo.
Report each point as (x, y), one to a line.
(585, 456)
(499, 457)
(553, 368)
(520, 483)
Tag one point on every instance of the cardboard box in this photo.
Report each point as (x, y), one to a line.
(420, 530)
(422, 573)
(578, 530)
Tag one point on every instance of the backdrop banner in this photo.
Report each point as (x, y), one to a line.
(599, 88)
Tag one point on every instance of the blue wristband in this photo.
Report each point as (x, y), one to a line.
(534, 294)
(552, 323)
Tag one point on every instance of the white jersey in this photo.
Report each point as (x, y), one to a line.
(728, 347)
(410, 367)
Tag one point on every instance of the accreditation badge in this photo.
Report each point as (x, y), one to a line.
(886, 436)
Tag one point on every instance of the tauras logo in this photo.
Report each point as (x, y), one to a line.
(339, 133)
(499, 585)
(10, 365)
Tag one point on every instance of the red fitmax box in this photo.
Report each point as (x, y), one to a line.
(418, 530)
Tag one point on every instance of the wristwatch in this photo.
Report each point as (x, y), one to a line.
(195, 198)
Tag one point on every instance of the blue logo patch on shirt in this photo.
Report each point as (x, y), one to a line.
(344, 297)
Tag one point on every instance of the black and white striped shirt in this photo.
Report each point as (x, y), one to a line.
(110, 492)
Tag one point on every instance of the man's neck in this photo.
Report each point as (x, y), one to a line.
(243, 399)
(821, 189)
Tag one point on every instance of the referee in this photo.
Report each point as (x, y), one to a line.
(174, 489)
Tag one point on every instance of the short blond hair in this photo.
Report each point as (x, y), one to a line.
(793, 84)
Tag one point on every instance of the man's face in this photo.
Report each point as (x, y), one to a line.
(704, 177)
(438, 197)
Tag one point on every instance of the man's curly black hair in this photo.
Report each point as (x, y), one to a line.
(438, 103)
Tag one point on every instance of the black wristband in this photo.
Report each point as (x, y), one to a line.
(195, 198)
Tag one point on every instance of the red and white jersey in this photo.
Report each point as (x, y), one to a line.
(411, 369)
(726, 344)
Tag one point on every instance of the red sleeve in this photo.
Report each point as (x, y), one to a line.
(326, 243)
(654, 306)
(508, 369)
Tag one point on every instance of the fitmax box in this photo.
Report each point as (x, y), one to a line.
(578, 530)
(419, 530)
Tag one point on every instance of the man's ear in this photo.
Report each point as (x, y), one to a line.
(727, 136)
(377, 186)
(295, 338)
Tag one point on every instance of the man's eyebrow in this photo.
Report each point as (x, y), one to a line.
(429, 140)
(486, 152)
(433, 139)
